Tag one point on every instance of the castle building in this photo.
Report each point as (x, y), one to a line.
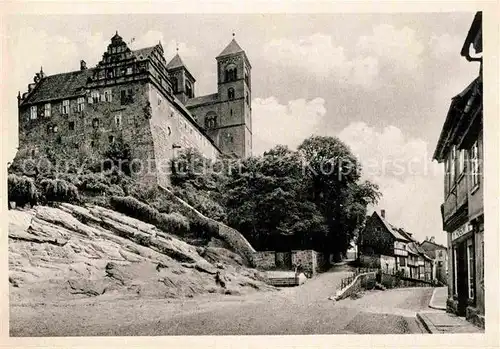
(136, 97)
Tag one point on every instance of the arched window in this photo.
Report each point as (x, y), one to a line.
(230, 93)
(174, 84)
(210, 120)
(189, 89)
(231, 72)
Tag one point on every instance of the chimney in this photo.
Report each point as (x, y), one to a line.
(432, 239)
(382, 213)
(83, 65)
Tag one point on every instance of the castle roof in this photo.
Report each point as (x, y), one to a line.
(60, 86)
(230, 49)
(202, 100)
(176, 62)
(143, 53)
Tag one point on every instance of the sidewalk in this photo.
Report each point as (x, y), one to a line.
(439, 321)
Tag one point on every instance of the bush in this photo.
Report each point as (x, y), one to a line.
(59, 190)
(174, 223)
(22, 190)
(143, 192)
(201, 202)
(94, 182)
(115, 190)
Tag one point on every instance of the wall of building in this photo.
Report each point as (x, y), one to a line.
(133, 127)
(265, 260)
(375, 239)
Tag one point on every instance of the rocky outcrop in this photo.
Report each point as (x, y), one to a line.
(67, 252)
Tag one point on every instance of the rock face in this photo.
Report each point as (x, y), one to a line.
(69, 252)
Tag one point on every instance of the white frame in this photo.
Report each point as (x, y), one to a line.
(33, 112)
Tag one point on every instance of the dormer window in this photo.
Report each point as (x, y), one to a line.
(33, 112)
(65, 107)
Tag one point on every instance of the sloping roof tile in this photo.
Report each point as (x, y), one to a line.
(393, 230)
(60, 86)
(176, 62)
(143, 53)
(232, 48)
(202, 100)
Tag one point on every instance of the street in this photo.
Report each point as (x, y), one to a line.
(300, 310)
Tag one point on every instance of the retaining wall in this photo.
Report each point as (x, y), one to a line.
(364, 281)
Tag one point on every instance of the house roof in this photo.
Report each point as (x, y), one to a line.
(391, 229)
(434, 246)
(59, 86)
(474, 36)
(230, 49)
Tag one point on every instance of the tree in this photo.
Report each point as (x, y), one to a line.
(333, 173)
(266, 201)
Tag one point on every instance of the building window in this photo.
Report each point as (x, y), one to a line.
(247, 98)
(80, 104)
(118, 120)
(55, 129)
(189, 89)
(71, 125)
(129, 70)
(32, 152)
(474, 165)
(402, 261)
(108, 96)
(33, 112)
(247, 79)
(49, 129)
(111, 139)
(95, 96)
(92, 144)
(95, 123)
(169, 131)
(230, 93)
(65, 107)
(48, 110)
(127, 96)
(174, 84)
(470, 268)
(461, 161)
(453, 157)
(211, 121)
(230, 73)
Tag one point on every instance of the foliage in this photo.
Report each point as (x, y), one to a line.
(58, 190)
(22, 190)
(118, 157)
(174, 223)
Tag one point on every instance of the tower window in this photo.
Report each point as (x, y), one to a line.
(174, 84)
(65, 107)
(71, 125)
(33, 112)
(189, 89)
(230, 93)
(211, 120)
(230, 73)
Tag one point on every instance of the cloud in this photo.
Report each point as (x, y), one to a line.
(398, 47)
(445, 45)
(397, 50)
(289, 124)
(408, 179)
(152, 37)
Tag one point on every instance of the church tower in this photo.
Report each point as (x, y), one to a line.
(181, 78)
(234, 128)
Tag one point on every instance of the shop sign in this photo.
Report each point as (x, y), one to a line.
(461, 231)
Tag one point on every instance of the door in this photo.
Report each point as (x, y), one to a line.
(462, 275)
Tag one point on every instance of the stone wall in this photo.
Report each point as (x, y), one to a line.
(265, 260)
(307, 260)
(370, 261)
(361, 282)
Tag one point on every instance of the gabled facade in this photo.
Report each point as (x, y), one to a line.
(460, 149)
(439, 254)
(135, 97)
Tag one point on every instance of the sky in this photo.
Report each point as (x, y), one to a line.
(382, 83)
